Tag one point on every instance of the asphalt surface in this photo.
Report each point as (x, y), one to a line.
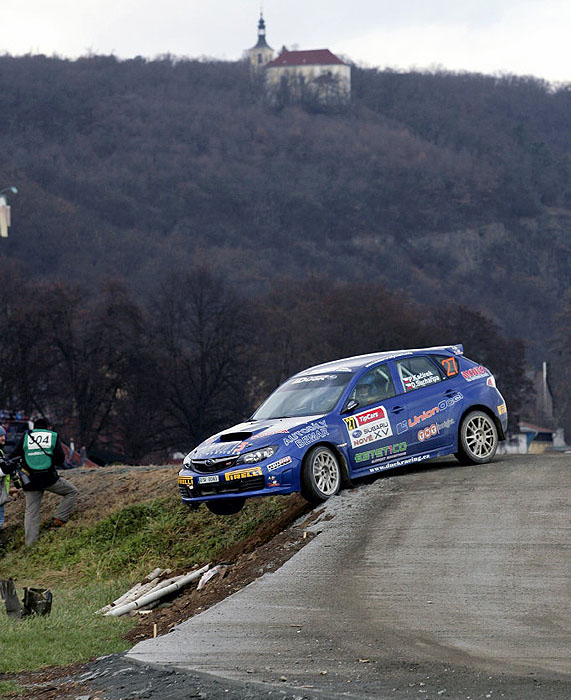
(439, 582)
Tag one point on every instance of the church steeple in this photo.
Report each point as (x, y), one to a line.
(261, 53)
(261, 33)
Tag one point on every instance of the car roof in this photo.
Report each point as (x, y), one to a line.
(351, 364)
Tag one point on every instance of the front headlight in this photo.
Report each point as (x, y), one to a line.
(257, 455)
(186, 461)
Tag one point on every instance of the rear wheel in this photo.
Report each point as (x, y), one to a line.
(226, 506)
(320, 474)
(478, 439)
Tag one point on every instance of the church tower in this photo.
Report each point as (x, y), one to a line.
(260, 54)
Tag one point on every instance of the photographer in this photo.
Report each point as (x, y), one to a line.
(4, 484)
(42, 452)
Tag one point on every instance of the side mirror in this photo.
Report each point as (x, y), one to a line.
(350, 406)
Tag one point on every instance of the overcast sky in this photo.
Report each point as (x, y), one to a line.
(524, 37)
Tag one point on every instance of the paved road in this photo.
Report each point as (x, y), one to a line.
(442, 582)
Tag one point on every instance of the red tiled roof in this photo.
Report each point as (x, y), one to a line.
(316, 57)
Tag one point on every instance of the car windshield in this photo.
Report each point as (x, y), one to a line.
(313, 394)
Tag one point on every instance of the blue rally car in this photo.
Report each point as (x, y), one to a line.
(346, 419)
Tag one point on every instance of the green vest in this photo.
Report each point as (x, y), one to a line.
(39, 447)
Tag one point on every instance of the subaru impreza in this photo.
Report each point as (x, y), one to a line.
(336, 422)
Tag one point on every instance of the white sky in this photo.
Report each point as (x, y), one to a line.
(524, 37)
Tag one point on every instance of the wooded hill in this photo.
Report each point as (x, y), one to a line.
(448, 188)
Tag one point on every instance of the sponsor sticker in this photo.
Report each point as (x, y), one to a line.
(381, 453)
(314, 378)
(185, 480)
(402, 462)
(243, 473)
(217, 450)
(241, 446)
(434, 429)
(368, 426)
(268, 432)
(431, 412)
(474, 373)
(308, 434)
(502, 408)
(427, 433)
(280, 463)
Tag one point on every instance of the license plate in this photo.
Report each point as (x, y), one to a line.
(207, 479)
(185, 480)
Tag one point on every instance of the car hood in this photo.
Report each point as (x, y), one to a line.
(249, 436)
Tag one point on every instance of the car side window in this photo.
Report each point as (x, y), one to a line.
(449, 365)
(374, 386)
(417, 372)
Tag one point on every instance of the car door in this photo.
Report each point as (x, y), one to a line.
(429, 420)
(369, 419)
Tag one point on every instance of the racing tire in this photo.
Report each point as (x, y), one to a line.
(228, 506)
(477, 439)
(320, 475)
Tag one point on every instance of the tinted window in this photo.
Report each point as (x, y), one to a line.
(416, 372)
(374, 386)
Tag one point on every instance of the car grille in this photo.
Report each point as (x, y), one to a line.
(210, 466)
(249, 483)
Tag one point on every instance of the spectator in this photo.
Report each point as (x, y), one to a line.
(42, 452)
(4, 485)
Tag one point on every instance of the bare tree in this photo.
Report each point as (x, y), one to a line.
(202, 341)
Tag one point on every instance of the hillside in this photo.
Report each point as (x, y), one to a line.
(445, 188)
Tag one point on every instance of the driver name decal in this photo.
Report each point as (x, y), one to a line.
(368, 426)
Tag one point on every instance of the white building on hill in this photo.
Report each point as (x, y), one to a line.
(299, 76)
(317, 74)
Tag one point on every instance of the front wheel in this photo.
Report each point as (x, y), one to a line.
(320, 475)
(226, 506)
(478, 439)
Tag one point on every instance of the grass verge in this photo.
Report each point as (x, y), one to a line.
(87, 565)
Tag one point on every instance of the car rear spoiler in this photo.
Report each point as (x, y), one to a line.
(452, 349)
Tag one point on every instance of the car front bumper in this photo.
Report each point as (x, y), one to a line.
(197, 488)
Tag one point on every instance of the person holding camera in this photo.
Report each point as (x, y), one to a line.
(42, 451)
(4, 485)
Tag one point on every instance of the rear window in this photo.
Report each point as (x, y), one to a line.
(417, 372)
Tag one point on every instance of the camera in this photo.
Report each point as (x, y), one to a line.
(13, 468)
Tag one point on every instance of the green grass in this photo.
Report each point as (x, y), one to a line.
(89, 565)
(10, 688)
(71, 633)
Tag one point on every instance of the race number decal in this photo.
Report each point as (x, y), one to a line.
(368, 426)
